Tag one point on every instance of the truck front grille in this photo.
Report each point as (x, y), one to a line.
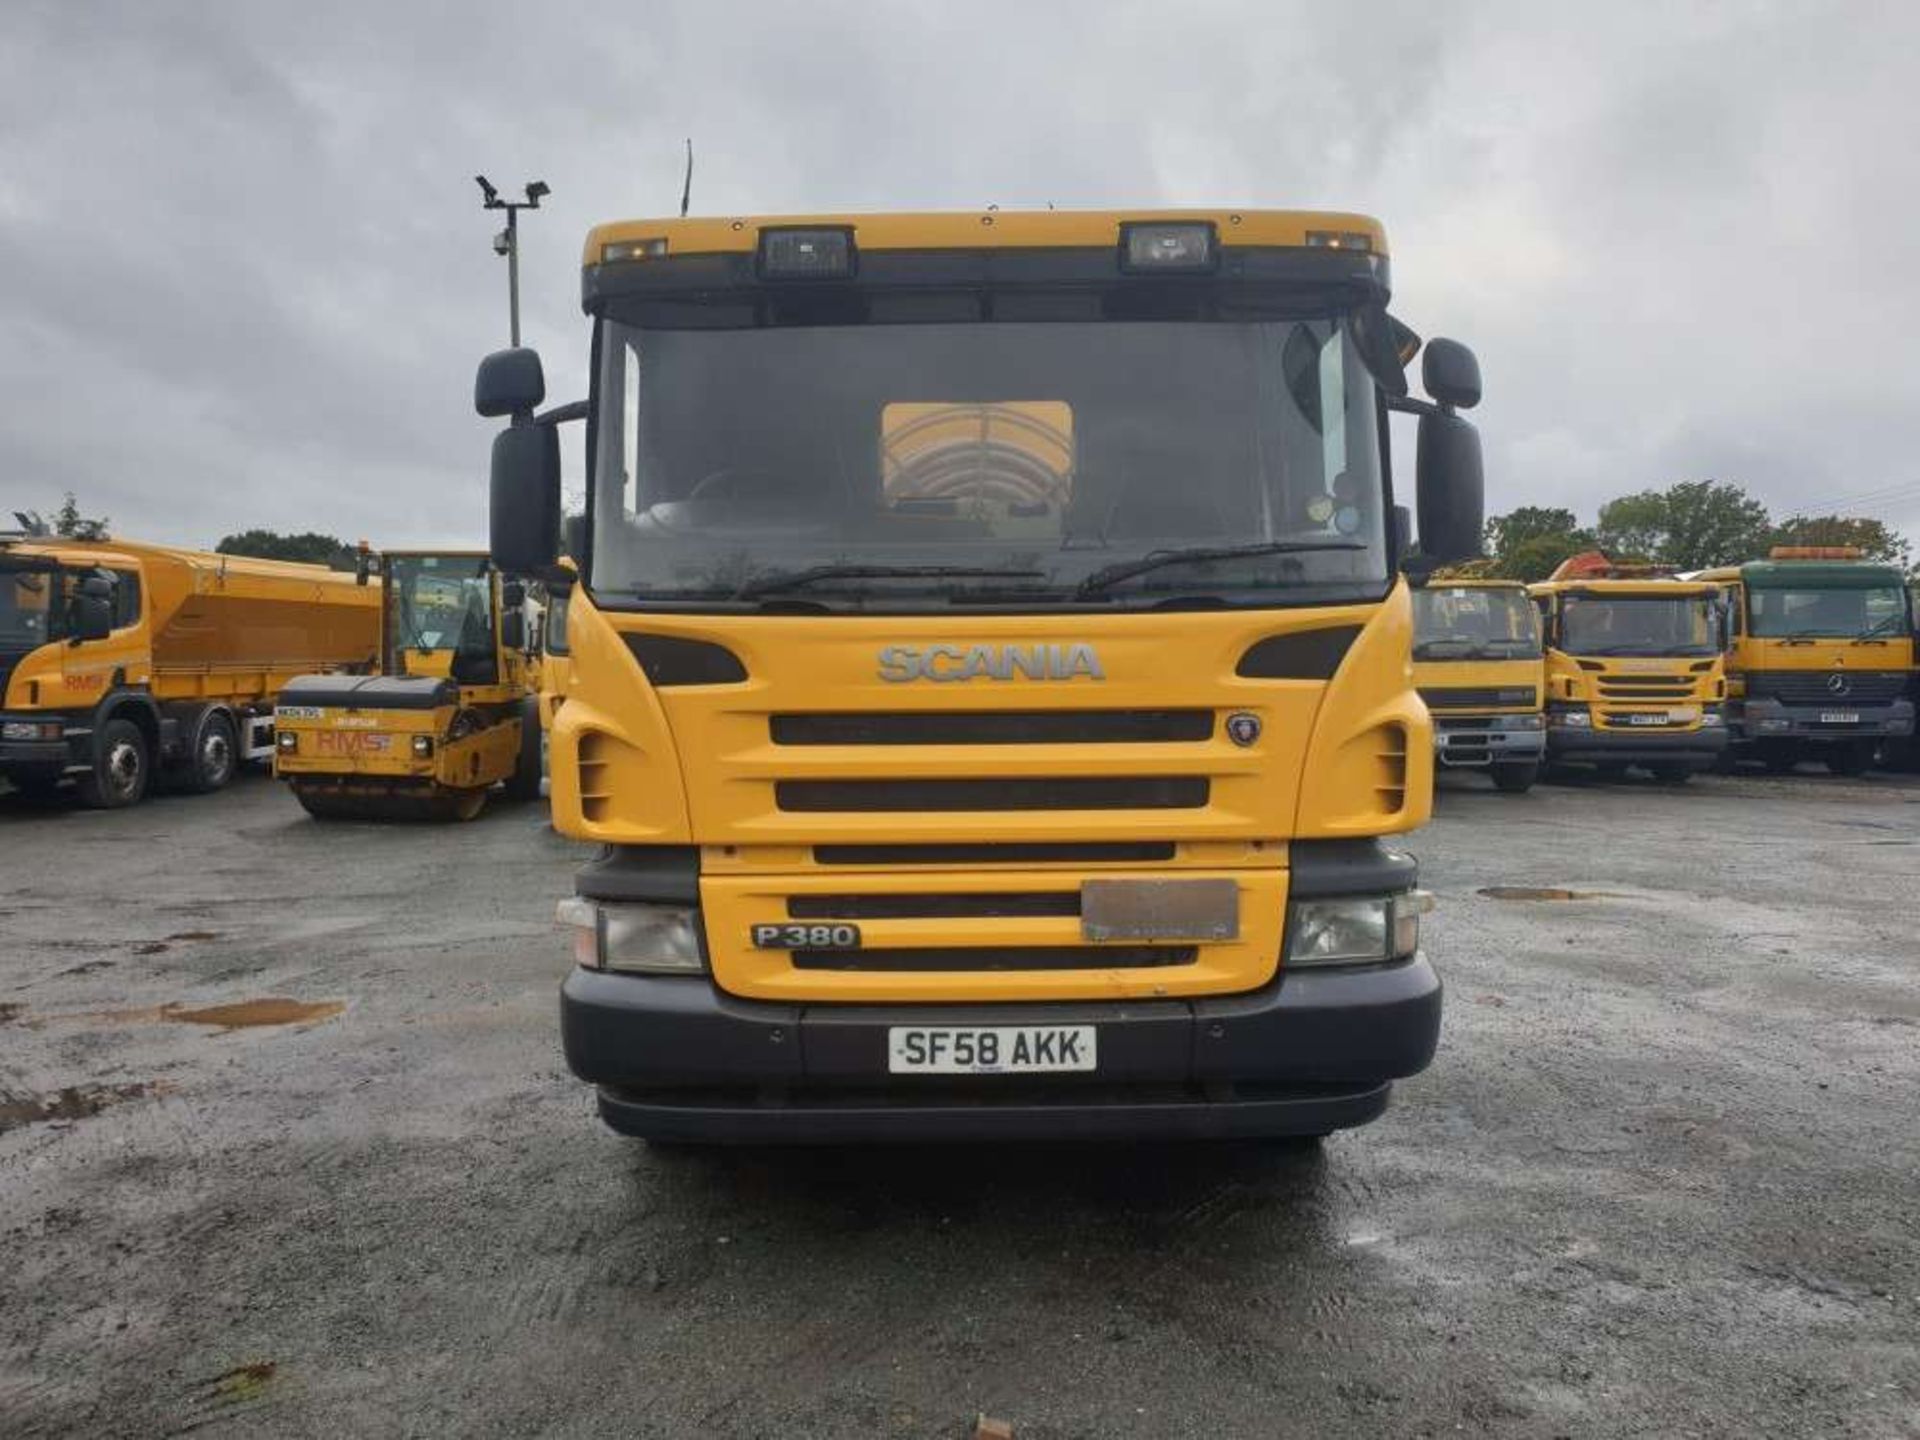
(1812, 687)
(1477, 697)
(1099, 852)
(996, 727)
(1646, 687)
(1156, 792)
(954, 905)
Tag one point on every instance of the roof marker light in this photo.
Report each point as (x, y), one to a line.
(1183, 246)
(806, 254)
(652, 248)
(1340, 240)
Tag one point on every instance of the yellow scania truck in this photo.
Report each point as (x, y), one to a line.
(1634, 670)
(1478, 664)
(123, 663)
(991, 682)
(1820, 659)
(453, 712)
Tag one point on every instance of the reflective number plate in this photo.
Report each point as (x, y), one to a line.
(988, 1050)
(1642, 718)
(1839, 717)
(836, 935)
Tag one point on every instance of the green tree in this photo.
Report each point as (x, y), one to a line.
(1529, 522)
(1536, 557)
(1688, 526)
(309, 545)
(70, 524)
(1873, 538)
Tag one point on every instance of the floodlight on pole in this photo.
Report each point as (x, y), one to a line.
(507, 242)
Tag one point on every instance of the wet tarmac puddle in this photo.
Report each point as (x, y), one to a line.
(273, 1010)
(76, 1102)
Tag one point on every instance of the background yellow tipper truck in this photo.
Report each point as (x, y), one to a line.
(1478, 664)
(122, 662)
(1820, 659)
(991, 676)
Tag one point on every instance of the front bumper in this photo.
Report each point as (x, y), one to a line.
(1314, 1051)
(1770, 720)
(64, 752)
(1576, 745)
(1482, 740)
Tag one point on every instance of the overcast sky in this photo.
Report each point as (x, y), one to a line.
(244, 276)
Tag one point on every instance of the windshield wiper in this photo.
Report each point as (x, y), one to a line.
(1107, 578)
(1878, 626)
(796, 579)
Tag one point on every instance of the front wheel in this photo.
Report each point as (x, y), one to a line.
(119, 774)
(1516, 777)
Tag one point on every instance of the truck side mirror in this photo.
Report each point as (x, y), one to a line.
(524, 523)
(91, 617)
(509, 382)
(1450, 374)
(513, 630)
(1452, 488)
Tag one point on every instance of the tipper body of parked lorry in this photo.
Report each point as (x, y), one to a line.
(1634, 670)
(452, 713)
(1478, 664)
(991, 678)
(1820, 659)
(123, 662)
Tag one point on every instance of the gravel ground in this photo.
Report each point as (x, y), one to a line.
(1660, 1181)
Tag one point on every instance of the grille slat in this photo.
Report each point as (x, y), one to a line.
(994, 727)
(1158, 792)
(1107, 852)
(959, 905)
(1464, 697)
(903, 960)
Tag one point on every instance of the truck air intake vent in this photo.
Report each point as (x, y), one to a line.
(997, 957)
(1465, 697)
(1040, 852)
(1162, 792)
(1018, 904)
(1001, 727)
(1298, 655)
(676, 660)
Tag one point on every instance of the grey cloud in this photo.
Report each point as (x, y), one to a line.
(246, 276)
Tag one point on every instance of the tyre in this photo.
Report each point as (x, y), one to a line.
(1852, 759)
(1516, 777)
(215, 755)
(524, 783)
(1672, 772)
(121, 770)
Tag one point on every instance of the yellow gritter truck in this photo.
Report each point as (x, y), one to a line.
(1634, 670)
(991, 678)
(1820, 663)
(1478, 664)
(121, 661)
(452, 713)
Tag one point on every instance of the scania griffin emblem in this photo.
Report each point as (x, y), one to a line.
(1242, 728)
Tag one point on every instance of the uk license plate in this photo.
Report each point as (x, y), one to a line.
(1839, 717)
(989, 1049)
(1643, 718)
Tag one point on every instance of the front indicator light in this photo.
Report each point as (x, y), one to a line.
(1167, 247)
(636, 939)
(287, 741)
(1363, 930)
(423, 746)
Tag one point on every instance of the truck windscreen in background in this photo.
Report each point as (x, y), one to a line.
(1469, 623)
(1637, 625)
(1015, 464)
(1777, 614)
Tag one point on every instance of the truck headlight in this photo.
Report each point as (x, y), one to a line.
(31, 730)
(423, 746)
(638, 939)
(286, 741)
(1522, 722)
(1361, 930)
(1571, 717)
(1711, 717)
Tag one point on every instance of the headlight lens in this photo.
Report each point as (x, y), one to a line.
(31, 730)
(1522, 722)
(1362, 930)
(287, 740)
(1711, 717)
(1571, 718)
(638, 939)
(423, 745)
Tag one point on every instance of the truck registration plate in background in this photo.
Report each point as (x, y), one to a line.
(1839, 717)
(989, 1049)
(1643, 718)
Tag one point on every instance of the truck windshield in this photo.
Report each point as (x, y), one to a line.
(1466, 623)
(1833, 614)
(1637, 625)
(32, 606)
(999, 463)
